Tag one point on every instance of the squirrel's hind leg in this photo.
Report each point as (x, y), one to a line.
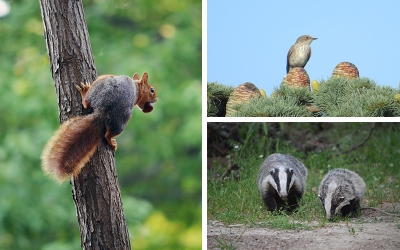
(111, 141)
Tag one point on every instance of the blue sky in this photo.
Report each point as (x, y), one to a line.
(247, 41)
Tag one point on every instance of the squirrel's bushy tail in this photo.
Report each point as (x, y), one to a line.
(71, 147)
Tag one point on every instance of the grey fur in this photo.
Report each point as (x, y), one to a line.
(341, 191)
(275, 167)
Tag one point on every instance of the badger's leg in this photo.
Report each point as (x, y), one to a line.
(269, 200)
(293, 199)
(357, 209)
(350, 209)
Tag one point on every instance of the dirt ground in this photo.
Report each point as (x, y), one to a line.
(372, 230)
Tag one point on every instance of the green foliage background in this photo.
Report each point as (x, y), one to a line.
(159, 154)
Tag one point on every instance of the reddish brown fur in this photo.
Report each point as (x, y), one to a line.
(112, 142)
(147, 94)
(83, 89)
(75, 142)
(71, 147)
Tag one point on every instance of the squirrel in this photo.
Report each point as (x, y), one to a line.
(112, 99)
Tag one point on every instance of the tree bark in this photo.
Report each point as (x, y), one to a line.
(95, 190)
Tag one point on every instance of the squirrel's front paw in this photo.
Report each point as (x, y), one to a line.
(84, 88)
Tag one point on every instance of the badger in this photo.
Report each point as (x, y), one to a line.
(282, 178)
(341, 191)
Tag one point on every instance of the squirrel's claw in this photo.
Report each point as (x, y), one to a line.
(83, 88)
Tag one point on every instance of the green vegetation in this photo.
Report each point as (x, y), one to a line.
(159, 154)
(337, 96)
(282, 221)
(217, 97)
(320, 146)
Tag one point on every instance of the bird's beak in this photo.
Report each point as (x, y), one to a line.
(315, 38)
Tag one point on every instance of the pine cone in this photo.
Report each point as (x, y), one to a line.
(346, 69)
(297, 77)
(241, 94)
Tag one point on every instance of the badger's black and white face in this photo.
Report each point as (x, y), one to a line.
(340, 192)
(334, 199)
(282, 180)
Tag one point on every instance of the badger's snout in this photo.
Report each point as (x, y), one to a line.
(328, 216)
(283, 195)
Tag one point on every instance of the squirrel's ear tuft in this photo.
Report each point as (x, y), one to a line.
(145, 77)
(136, 76)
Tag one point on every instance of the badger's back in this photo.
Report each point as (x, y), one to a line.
(281, 177)
(351, 183)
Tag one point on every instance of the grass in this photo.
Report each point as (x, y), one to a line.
(238, 201)
(282, 222)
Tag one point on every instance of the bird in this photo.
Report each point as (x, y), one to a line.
(299, 53)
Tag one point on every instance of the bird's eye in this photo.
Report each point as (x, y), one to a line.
(152, 90)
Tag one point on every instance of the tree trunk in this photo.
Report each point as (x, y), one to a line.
(95, 190)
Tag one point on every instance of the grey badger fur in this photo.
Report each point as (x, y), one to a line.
(281, 178)
(341, 191)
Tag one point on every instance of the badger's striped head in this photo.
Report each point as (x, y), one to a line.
(282, 180)
(333, 199)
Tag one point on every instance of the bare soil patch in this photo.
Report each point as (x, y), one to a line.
(372, 230)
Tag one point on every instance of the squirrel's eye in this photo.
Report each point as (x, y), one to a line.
(152, 90)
